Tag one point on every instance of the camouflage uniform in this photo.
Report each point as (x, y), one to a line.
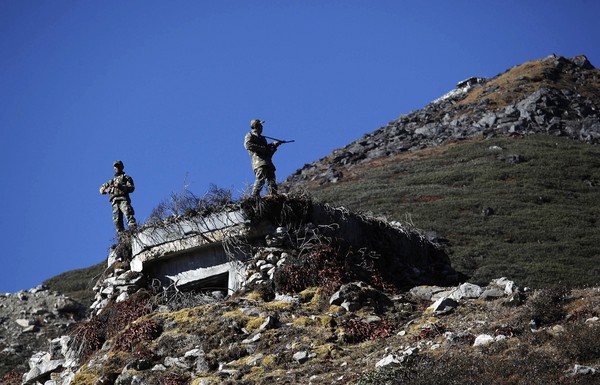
(261, 153)
(118, 189)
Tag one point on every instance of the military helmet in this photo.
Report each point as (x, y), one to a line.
(118, 164)
(254, 122)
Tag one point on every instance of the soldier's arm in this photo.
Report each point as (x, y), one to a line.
(105, 186)
(129, 184)
(251, 145)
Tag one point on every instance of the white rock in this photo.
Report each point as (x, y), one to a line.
(443, 305)
(24, 322)
(108, 290)
(387, 360)
(272, 258)
(410, 351)
(122, 297)
(253, 339)
(580, 369)
(285, 298)
(194, 353)
(255, 359)
(302, 356)
(266, 267)
(483, 340)
(466, 290)
(254, 278)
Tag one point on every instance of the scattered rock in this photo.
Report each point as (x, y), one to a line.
(483, 340)
(581, 370)
(442, 306)
(302, 356)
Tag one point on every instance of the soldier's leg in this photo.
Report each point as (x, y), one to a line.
(117, 216)
(271, 181)
(261, 177)
(129, 214)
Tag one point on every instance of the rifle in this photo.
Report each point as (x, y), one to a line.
(279, 140)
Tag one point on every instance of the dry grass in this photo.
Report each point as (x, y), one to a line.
(527, 78)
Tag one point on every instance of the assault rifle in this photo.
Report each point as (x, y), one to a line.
(279, 140)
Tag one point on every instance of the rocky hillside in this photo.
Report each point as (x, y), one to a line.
(555, 96)
(502, 171)
(486, 163)
(320, 312)
(29, 319)
(351, 334)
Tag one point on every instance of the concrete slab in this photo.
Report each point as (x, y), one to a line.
(189, 252)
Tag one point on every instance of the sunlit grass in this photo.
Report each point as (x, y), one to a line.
(543, 225)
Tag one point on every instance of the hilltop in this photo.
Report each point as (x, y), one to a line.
(502, 171)
(554, 95)
(324, 312)
(497, 177)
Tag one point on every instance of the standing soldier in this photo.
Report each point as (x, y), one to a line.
(261, 153)
(118, 189)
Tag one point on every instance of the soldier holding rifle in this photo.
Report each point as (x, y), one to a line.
(118, 189)
(261, 154)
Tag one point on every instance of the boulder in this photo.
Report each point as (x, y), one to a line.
(442, 306)
(41, 365)
(466, 290)
(483, 340)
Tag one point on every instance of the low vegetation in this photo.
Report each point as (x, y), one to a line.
(78, 283)
(522, 207)
(344, 346)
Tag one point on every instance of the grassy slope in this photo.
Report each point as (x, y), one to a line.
(544, 230)
(78, 283)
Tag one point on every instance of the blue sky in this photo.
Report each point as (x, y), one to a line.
(170, 87)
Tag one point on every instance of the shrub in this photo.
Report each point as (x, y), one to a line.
(547, 306)
(12, 377)
(581, 342)
(144, 331)
(319, 267)
(88, 337)
(174, 378)
(357, 331)
(188, 204)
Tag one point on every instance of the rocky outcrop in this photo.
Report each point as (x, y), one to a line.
(386, 253)
(29, 319)
(290, 332)
(118, 282)
(555, 95)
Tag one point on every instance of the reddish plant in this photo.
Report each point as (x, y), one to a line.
(357, 331)
(431, 331)
(12, 377)
(138, 332)
(175, 379)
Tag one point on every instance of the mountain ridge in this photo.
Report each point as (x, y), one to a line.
(554, 95)
(491, 330)
(502, 171)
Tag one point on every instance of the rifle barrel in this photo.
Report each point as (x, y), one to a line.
(279, 140)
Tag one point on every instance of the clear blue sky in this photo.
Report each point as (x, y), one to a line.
(170, 87)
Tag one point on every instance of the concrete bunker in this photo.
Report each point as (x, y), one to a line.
(213, 251)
